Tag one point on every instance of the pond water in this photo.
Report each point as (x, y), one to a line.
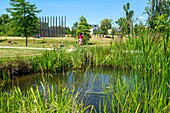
(93, 84)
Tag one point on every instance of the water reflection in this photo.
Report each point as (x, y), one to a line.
(93, 84)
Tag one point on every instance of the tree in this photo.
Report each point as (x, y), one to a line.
(126, 24)
(162, 23)
(113, 32)
(129, 15)
(156, 8)
(139, 27)
(4, 24)
(158, 20)
(122, 24)
(105, 25)
(84, 27)
(24, 17)
(73, 29)
(67, 30)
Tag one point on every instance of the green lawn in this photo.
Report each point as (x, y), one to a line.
(36, 42)
(8, 53)
(41, 43)
(46, 42)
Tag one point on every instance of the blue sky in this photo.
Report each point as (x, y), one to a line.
(93, 10)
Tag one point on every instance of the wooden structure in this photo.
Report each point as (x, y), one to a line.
(52, 26)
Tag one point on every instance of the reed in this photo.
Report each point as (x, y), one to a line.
(146, 92)
(149, 92)
(49, 99)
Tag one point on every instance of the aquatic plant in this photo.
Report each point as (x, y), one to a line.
(49, 99)
(148, 92)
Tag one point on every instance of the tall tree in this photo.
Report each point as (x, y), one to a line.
(24, 17)
(84, 27)
(126, 24)
(156, 8)
(105, 25)
(129, 15)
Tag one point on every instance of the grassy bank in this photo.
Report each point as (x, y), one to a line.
(149, 93)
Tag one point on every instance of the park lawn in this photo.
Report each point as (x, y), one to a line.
(10, 53)
(41, 43)
(46, 42)
(36, 42)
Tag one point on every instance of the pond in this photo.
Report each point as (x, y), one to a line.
(93, 85)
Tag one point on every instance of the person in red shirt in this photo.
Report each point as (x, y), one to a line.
(80, 38)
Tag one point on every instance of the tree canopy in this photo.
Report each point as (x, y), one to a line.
(84, 27)
(129, 15)
(73, 29)
(126, 23)
(158, 13)
(105, 25)
(24, 19)
(122, 24)
(4, 24)
(157, 8)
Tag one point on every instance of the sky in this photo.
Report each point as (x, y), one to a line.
(93, 10)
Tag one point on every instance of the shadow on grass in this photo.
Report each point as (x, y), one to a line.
(2, 40)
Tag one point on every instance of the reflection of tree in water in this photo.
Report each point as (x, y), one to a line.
(94, 86)
(95, 79)
(92, 79)
(24, 82)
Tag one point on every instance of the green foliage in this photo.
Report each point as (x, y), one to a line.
(146, 92)
(73, 29)
(122, 24)
(156, 8)
(105, 25)
(129, 16)
(83, 27)
(24, 20)
(126, 24)
(68, 31)
(162, 23)
(50, 99)
(113, 31)
(138, 28)
(4, 24)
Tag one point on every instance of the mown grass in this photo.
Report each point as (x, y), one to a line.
(46, 42)
(36, 42)
(148, 93)
(69, 43)
(13, 53)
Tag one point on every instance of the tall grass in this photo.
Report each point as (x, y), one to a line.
(51, 99)
(149, 92)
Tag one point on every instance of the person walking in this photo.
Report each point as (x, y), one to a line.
(80, 38)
